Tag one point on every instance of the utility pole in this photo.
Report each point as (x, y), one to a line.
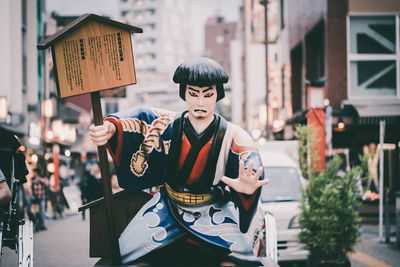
(381, 166)
(267, 130)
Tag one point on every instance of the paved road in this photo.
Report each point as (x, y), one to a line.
(64, 244)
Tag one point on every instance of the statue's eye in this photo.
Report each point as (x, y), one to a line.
(192, 94)
(209, 95)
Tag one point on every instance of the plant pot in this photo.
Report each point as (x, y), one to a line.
(312, 262)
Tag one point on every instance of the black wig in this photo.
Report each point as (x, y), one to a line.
(200, 72)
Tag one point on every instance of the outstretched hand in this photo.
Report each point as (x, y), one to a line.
(247, 182)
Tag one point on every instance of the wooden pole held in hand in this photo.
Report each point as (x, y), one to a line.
(106, 181)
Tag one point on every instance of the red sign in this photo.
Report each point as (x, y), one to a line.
(316, 120)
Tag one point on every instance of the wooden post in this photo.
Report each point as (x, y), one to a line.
(106, 181)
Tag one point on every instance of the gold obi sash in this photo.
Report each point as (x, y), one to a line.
(188, 199)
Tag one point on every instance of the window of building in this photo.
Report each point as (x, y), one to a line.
(111, 107)
(374, 56)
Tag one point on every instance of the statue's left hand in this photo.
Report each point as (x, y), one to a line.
(247, 182)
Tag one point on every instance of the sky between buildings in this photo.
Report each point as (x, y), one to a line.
(199, 11)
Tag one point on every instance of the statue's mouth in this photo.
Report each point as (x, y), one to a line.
(200, 110)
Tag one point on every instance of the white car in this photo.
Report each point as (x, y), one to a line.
(281, 197)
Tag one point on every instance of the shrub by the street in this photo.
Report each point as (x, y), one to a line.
(303, 135)
(329, 220)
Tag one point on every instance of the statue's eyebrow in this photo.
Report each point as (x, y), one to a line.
(191, 88)
(208, 89)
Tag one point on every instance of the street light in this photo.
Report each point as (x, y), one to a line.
(67, 153)
(34, 158)
(51, 167)
(48, 108)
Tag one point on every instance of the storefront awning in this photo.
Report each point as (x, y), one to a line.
(370, 112)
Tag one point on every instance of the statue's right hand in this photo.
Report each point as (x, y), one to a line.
(100, 134)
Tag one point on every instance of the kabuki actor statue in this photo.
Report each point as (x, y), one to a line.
(209, 170)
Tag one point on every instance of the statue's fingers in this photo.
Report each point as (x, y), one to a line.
(262, 182)
(250, 167)
(258, 174)
(96, 136)
(241, 168)
(97, 131)
(99, 140)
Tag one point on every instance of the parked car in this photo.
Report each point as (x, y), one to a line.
(281, 198)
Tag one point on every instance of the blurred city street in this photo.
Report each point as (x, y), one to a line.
(91, 92)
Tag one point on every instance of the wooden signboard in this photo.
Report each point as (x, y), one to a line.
(94, 58)
(92, 54)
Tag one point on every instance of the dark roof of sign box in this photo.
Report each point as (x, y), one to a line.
(87, 17)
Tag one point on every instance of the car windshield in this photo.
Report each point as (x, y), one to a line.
(284, 185)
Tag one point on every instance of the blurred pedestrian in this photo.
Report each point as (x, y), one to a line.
(95, 187)
(28, 196)
(84, 187)
(55, 198)
(39, 185)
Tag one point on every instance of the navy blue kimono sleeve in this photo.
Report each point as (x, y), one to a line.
(140, 146)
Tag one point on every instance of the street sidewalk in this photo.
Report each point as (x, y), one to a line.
(371, 252)
(64, 244)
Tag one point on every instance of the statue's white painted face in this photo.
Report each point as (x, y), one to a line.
(200, 101)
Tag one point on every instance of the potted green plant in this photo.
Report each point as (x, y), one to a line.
(329, 220)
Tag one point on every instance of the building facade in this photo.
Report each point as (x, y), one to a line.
(219, 44)
(161, 47)
(218, 37)
(350, 50)
(253, 67)
(20, 77)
